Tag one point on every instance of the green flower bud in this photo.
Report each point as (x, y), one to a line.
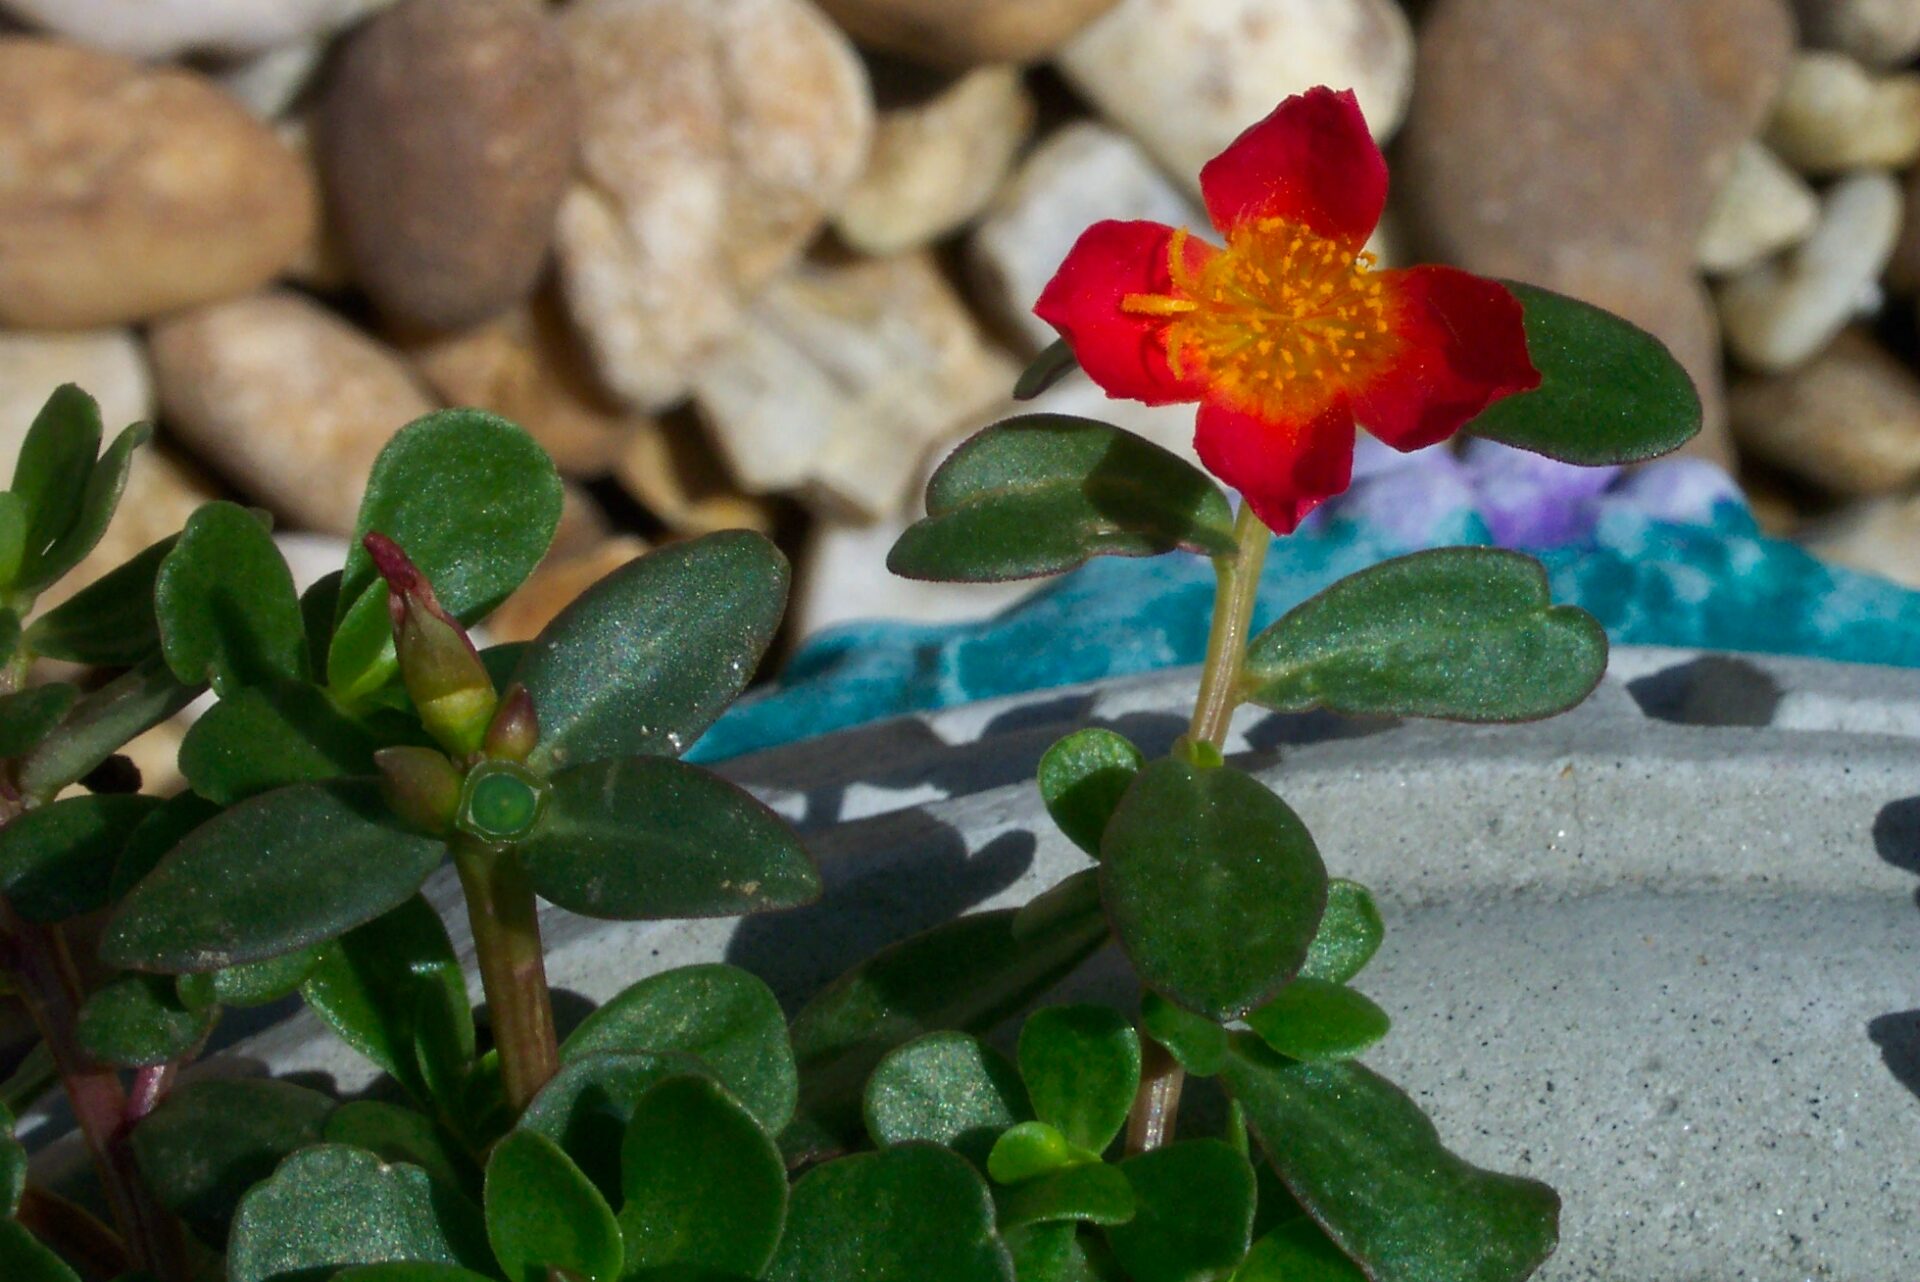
(420, 786)
(444, 677)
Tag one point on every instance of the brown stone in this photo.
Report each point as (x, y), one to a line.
(1849, 421)
(957, 33)
(130, 191)
(446, 139)
(671, 468)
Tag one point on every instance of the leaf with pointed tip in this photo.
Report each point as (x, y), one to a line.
(29, 716)
(1465, 634)
(110, 621)
(946, 1088)
(1081, 1065)
(1319, 1021)
(1349, 935)
(98, 500)
(703, 1185)
(1194, 1213)
(1367, 1164)
(1042, 493)
(645, 659)
(57, 861)
(1054, 363)
(226, 605)
(1083, 777)
(915, 1213)
(50, 475)
(270, 876)
(544, 1217)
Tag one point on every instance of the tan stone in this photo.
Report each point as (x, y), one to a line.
(671, 468)
(1876, 536)
(291, 401)
(106, 364)
(966, 32)
(937, 163)
(552, 587)
(168, 28)
(1763, 208)
(1849, 421)
(129, 191)
(1834, 115)
(717, 136)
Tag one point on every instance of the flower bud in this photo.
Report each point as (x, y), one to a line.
(444, 677)
(515, 729)
(420, 786)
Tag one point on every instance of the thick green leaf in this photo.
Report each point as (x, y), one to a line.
(155, 835)
(586, 1107)
(330, 1206)
(24, 1259)
(269, 736)
(50, 476)
(101, 723)
(1194, 1216)
(105, 484)
(1467, 634)
(1090, 1191)
(724, 1015)
(1349, 935)
(945, 1088)
(1365, 1162)
(138, 1020)
(1030, 1150)
(13, 535)
(967, 974)
(1058, 1253)
(369, 983)
(647, 838)
(1609, 391)
(270, 876)
(29, 716)
(111, 620)
(226, 605)
(1082, 779)
(1081, 1065)
(1297, 1251)
(57, 861)
(1042, 493)
(915, 1213)
(645, 659)
(210, 1141)
(1318, 1020)
(1054, 363)
(397, 1134)
(256, 983)
(1213, 884)
(1198, 1043)
(704, 1186)
(543, 1214)
(473, 501)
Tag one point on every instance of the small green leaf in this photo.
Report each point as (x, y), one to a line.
(704, 1186)
(1198, 1043)
(110, 621)
(915, 1213)
(585, 1108)
(138, 1020)
(1194, 1217)
(30, 716)
(270, 876)
(1082, 779)
(368, 984)
(1349, 934)
(1609, 391)
(226, 605)
(268, 736)
(1054, 363)
(57, 861)
(1033, 1149)
(1058, 1253)
(259, 983)
(1467, 634)
(1319, 1021)
(1042, 493)
(1297, 1251)
(1090, 1192)
(1214, 886)
(1366, 1163)
(330, 1206)
(724, 1015)
(1081, 1065)
(13, 536)
(967, 974)
(105, 484)
(50, 476)
(101, 723)
(24, 1259)
(397, 1134)
(474, 501)
(210, 1141)
(945, 1088)
(648, 838)
(645, 659)
(543, 1214)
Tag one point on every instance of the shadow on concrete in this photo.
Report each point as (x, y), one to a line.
(1896, 835)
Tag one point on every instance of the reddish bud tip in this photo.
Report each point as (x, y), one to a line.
(515, 729)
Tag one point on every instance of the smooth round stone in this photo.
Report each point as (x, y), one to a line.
(1880, 33)
(959, 33)
(1763, 208)
(168, 28)
(1849, 420)
(1834, 115)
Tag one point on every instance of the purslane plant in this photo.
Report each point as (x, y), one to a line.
(688, 1129)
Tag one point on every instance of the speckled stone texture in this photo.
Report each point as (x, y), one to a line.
(1662, 952)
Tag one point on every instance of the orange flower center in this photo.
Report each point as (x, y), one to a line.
(1277, 323)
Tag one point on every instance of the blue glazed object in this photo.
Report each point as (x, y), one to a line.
(1665, 555)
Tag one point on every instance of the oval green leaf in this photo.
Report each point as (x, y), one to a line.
(227, 608)
(1042, 493)
(1349, 935)
(1365, 1162)
(1609, 391)
(1091, 1192)
(1030, 1150)
(645, 659)
(269, 736)
(1465, 634)
(1083, 777)
(915, 1213)
(270, 876)
(585, 1108)
(1054, 363)
(1081, 1065)
(1297, 1251)
(1319, 1021)
(29, 716)
(111, 620)
(57, 861)
(543, 1215)
(1213, 884)
(102, 723)
(1193, 1218)
(138, 1020)
(98, 500)
(1198, 1043)
(946, 1088)
(648, 838)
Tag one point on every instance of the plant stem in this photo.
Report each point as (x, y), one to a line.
(1156, 1106)
(513, 969)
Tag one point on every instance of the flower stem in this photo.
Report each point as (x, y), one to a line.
(513, 970)
(1156, 1106)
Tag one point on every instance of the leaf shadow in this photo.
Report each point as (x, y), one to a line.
(1896, 836)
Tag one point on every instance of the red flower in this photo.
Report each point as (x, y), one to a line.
(1286, 337)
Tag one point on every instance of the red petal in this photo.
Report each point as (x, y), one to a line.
(1284, 470)
(1125, 353)
(1462, 345)
(1312, 162)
